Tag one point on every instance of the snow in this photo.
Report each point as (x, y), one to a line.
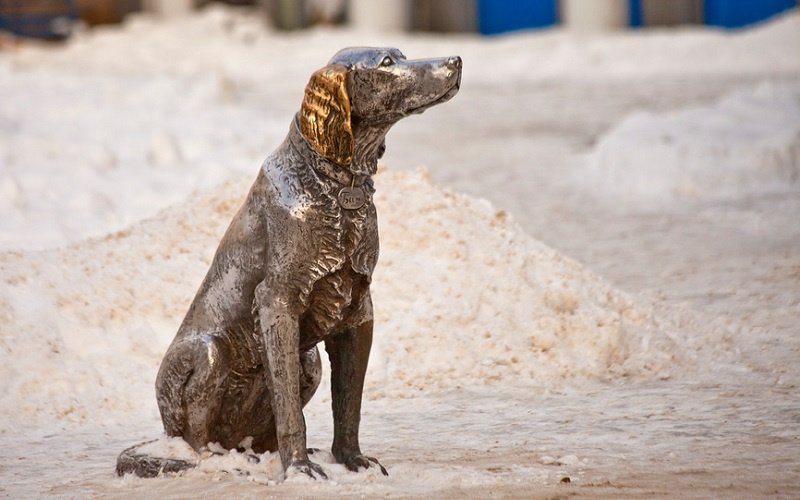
(595, 278)
(749, 141)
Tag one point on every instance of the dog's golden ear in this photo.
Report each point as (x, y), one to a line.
(325, 114)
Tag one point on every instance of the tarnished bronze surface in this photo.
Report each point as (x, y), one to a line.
(293, 270)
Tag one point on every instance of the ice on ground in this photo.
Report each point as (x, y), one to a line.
(464, 298)
(747, 142)
(215, 462)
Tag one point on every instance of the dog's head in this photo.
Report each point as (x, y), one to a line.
(364, 87)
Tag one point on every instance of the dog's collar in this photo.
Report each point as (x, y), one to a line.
(355, 189)
(326, 168)
(338, 174)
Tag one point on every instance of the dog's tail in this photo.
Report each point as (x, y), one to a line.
(133, 461)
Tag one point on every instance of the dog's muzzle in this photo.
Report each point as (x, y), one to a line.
(442, 78)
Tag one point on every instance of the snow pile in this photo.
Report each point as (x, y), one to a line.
(747, 142)
(74, 169)
(463, 298)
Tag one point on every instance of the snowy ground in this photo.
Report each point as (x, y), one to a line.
(666, 162)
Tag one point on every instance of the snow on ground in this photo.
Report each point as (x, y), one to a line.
(665, 160)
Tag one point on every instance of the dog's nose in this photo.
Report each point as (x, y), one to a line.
(454, 62)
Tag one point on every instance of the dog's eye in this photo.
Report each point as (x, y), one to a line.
(387, 61)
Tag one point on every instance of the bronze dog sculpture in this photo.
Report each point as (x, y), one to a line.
(293, 269)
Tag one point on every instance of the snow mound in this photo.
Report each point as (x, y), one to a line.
(75, 170)
(463, 298)
(748, 141)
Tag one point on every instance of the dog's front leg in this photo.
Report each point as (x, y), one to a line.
(349, 352)
(280, 329)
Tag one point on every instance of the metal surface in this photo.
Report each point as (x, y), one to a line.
(294, 269)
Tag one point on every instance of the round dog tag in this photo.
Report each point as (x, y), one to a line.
(352, 198)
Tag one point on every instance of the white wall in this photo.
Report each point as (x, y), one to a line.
(587, 16)
(380, 15)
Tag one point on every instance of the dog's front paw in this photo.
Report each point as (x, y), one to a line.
(356, 461)
(307, 467)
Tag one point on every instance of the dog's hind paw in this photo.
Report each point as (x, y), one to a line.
(307, 467)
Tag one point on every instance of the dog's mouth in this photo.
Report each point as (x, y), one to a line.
(446, 96)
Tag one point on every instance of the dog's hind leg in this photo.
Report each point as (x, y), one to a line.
(190, 386)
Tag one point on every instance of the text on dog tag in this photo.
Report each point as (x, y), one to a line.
(352, 198)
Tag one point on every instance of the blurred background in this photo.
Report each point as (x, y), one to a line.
(551, 102)
(55, 19)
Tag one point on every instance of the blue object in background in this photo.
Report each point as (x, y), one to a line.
(500, 16)
(635, 13)
(47, 19)
(738, 13)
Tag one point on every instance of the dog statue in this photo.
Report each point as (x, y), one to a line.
(294, 269)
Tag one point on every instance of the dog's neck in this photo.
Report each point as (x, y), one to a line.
(369, 147)
(370, 144)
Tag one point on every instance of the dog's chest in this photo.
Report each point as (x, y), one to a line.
(343, 238)
(336, 303)
(348, 251)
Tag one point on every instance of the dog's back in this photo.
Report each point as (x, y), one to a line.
(225, 297)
